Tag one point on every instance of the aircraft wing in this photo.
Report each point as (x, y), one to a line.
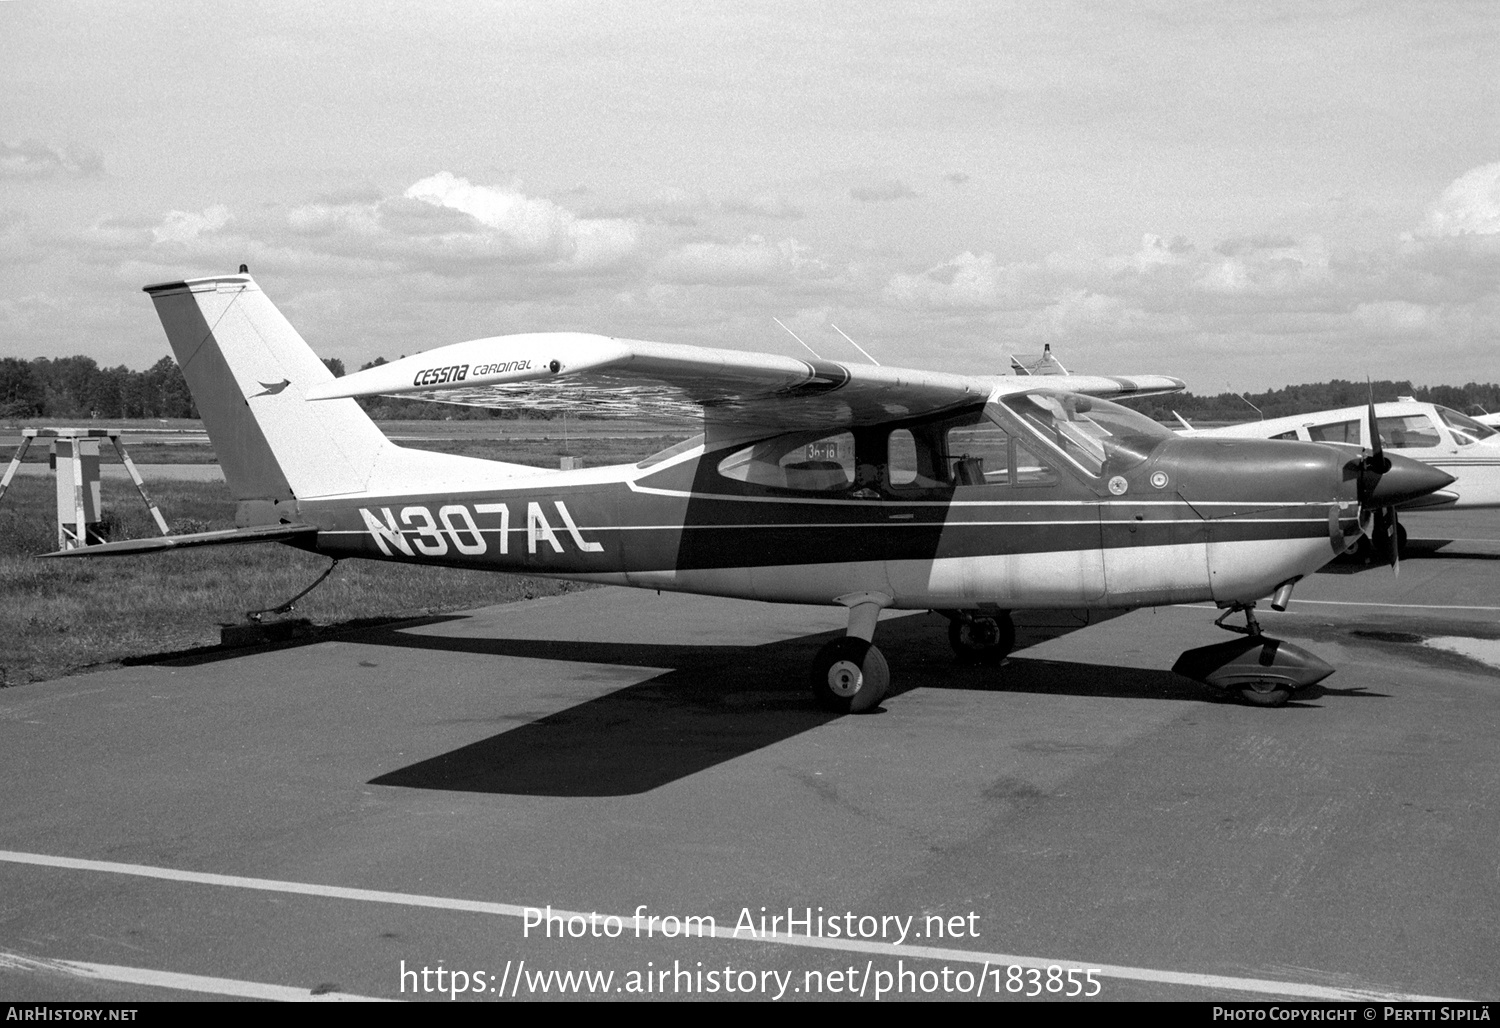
(730, 387)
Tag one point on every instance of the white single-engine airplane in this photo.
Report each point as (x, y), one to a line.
(813, 482)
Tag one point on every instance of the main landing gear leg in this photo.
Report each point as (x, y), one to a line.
(982, 638)
(849, 675)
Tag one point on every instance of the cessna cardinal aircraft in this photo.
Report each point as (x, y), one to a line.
(817, 482)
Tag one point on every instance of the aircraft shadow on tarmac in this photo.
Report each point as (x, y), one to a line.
(716, 703)
(1354, 562)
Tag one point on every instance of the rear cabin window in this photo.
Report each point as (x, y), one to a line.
(1292, 435)
(902, 457)
(795, 462)
(1337, 432)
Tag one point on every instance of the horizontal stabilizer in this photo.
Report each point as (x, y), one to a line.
(223, 537)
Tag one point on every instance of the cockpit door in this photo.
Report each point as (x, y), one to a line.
(1020, 528)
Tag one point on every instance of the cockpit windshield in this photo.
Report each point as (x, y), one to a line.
(1089, 430)
(1464, 428)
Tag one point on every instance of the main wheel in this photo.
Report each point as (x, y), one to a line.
(850, 676)
(983, 639)
(1266, 693)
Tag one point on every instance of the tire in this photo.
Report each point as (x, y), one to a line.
(849, 676)
(982, 640)
(1266, 693)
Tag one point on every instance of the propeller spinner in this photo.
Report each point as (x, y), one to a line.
(1384, 482)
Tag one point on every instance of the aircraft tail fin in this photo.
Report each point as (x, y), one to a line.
(249, 370)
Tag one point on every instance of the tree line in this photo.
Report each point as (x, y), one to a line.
(76, 387)
(1315, 396)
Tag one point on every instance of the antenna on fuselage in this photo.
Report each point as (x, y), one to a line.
(797, 337)
(852, 343)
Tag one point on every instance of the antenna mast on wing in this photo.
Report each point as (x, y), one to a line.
(797, 337)
(852, 343)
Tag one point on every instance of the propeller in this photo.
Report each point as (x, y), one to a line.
(1384, 532)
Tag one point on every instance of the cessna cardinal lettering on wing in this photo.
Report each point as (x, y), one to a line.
(867, 487)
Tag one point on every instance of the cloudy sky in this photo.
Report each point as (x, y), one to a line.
(1245, 195)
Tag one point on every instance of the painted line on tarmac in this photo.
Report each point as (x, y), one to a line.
(1354, 603)
(1399, 606)
(1296, 990)
(181, 982)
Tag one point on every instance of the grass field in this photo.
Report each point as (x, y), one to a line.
(59, 617)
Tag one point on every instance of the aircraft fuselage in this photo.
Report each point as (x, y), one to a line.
(1199, 520)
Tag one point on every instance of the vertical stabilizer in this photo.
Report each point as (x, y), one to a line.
(248, 370)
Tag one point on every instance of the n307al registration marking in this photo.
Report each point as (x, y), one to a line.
(413, 530)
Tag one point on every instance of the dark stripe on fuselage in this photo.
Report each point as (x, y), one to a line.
(686, 516)
(636, 532)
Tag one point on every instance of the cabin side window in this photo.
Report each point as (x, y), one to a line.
(978, 454)
(1336, 432)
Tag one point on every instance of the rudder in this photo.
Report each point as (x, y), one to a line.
(249, 370)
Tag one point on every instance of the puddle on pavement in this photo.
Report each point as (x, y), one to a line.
(1486, 651)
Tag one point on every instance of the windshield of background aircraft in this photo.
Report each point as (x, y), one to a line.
(1465, 429)
(1089, 430)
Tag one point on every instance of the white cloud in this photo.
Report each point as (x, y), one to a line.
(1470, 206)
(533, 226)
(185, 226)
(967, 282)
(882, 191)
(31, 159)
(1076, 311)
(13, 241)
(765, 205)
(1394, 317)
(1156, 252)
(751, 261)
(444, 222)
(1264, 265)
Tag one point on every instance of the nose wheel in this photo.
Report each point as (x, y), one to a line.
(981, 638)
(1265, 692)
(1263, 671)
(850, 676)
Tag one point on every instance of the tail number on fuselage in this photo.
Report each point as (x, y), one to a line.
(415, 531)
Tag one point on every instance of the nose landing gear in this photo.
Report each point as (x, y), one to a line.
(1264, 671)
